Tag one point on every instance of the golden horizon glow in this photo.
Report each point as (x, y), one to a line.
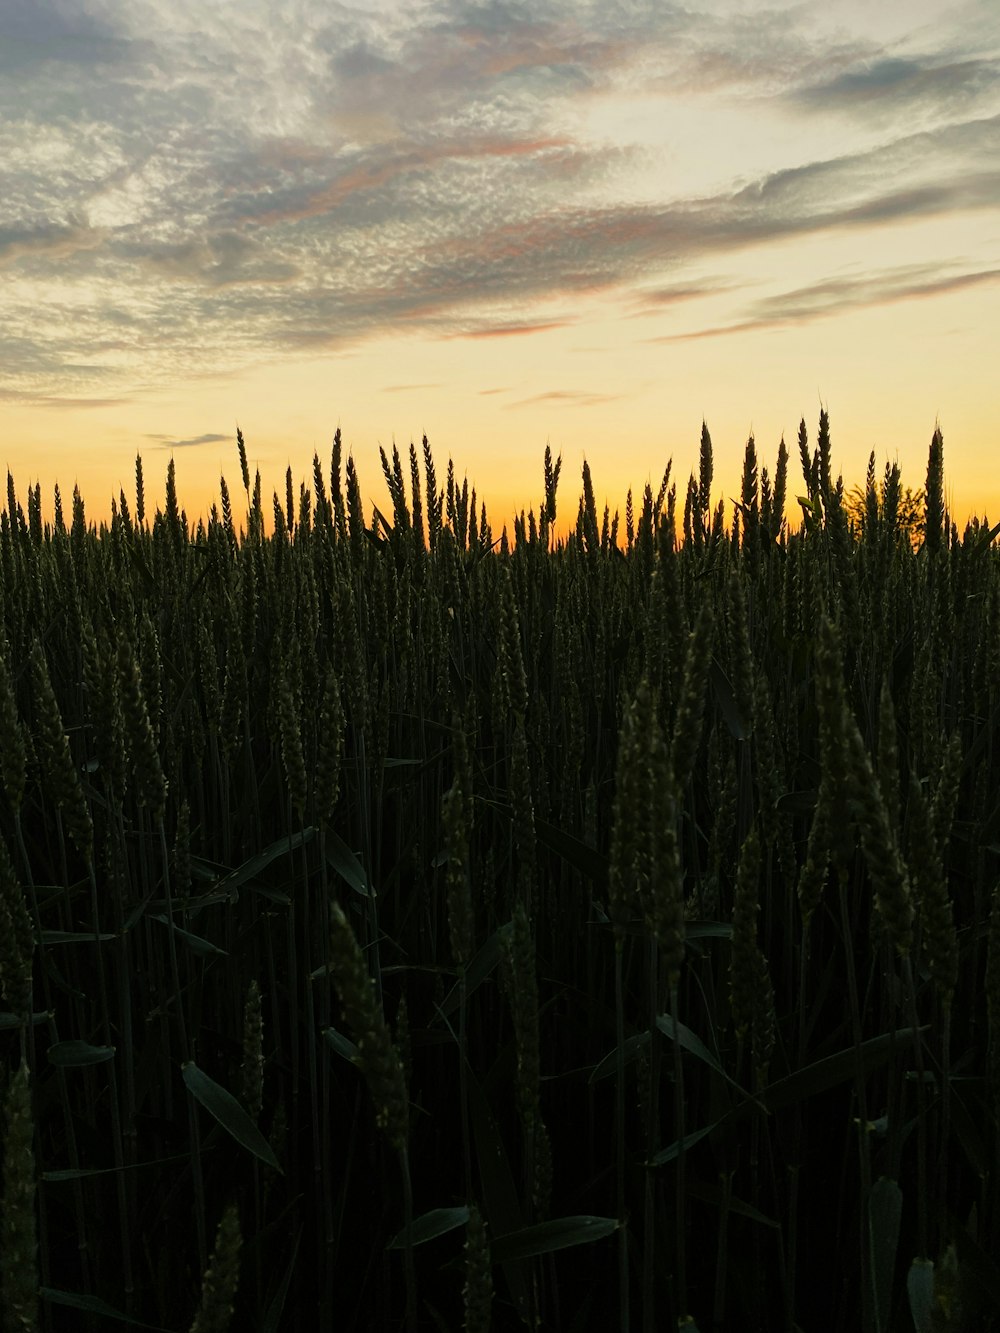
(501, 233)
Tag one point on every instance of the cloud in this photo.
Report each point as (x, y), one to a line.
(57, 401)
(653, 301)
(514, 330)
(590, 249)
(224, 259)
(191, 190)
(46, 242)
(836, 295)
(382, 174)
(897, 83)
(193, 441)
(41, 32)
(573, 397)
(901, 284)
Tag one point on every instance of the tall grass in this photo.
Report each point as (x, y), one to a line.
(473, 929)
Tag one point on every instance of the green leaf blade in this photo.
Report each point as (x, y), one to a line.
(256, 864)
(438, 1222)
(78, 1054)
(885, 1209)
(561, 1233)
(346, 864)
(94, 1305)
(226, 1110)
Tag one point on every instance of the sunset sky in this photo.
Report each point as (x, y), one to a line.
(501, 224)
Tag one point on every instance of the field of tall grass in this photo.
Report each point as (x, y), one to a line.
(409, 927)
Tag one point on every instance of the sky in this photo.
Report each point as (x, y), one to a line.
(502, 225)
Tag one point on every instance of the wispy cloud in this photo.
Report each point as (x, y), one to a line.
(572, 397)
(653, 301)
(192, 442)
(901, 284)
(191, 190)
(514, 330)
(40, 33)
(46, 242)
(902, 83)
(58, 402)
(835, 295)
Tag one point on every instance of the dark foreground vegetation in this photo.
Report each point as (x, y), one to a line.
(407, 928)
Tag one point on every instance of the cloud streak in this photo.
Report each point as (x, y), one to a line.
(193, 442)
(835, 295)
(571, 397)
(901, 84)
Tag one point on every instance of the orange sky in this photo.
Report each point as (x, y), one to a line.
(503, 227)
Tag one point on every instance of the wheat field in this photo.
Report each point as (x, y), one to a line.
(405, 925)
